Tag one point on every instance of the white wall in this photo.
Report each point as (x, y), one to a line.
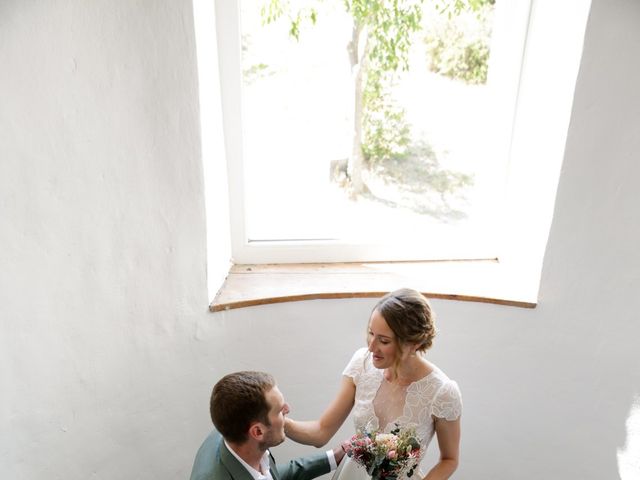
(102, 234)
(107, 351)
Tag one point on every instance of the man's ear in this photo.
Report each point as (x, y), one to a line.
(256, 431)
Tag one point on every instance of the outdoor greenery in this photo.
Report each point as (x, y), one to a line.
(382, 35)
(386, 131)
(458, 45)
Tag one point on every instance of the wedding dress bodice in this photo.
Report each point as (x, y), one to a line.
(433, 395)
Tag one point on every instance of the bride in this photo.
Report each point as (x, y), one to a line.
(390, 383)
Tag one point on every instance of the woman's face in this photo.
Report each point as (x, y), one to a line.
(382, 342)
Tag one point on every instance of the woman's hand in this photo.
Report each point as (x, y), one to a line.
(319, 432)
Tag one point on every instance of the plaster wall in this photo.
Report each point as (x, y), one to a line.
(107, 350)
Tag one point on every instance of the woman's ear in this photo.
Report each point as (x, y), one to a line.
(410, 349)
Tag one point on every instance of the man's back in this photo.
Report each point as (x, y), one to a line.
(208, 464)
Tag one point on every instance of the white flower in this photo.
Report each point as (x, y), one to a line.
(387, 440)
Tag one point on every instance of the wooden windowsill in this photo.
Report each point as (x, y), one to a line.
(483, 281)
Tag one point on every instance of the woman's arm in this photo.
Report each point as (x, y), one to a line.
(448, 433)
(319, 432)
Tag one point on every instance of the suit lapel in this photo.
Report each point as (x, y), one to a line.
(272, 467)
(233, 466)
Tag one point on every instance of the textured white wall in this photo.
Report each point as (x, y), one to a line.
(107, 351)
(102, 234)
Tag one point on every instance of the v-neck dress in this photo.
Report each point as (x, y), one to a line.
(433, 395)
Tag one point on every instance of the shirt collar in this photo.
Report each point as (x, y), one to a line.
(264, 465)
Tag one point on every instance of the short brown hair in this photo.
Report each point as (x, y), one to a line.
(409, 315)
(237, 400)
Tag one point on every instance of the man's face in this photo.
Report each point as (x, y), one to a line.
(278, 408)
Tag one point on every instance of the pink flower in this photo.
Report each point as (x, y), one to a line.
(392, 455)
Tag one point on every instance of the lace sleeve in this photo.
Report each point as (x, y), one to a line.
(356, 365)
(447, 403)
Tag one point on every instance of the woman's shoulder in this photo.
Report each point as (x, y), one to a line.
(447, 402)
(357, 363)
(438, 382)
(439, 374)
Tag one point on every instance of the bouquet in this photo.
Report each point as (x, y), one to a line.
(385, 456)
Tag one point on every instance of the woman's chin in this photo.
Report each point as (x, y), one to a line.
(379, 363)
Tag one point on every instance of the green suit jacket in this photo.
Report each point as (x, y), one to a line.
(214, 461)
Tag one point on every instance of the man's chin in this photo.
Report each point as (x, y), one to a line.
(272, 442)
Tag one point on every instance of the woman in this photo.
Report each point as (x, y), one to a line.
(390, 383)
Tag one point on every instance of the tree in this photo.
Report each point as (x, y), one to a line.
(381, 36)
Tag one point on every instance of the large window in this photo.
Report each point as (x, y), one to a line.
(438, 142)
(434, 136)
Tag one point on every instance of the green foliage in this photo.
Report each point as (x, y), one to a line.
(458, 46)
(386, 132)
(272, 10)
(455, 7)
(389, 27)
(255, 72)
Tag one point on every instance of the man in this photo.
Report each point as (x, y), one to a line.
(248, 412)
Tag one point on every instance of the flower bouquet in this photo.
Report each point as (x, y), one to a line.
(385, 456)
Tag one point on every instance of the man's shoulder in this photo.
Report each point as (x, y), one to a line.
(207, 464)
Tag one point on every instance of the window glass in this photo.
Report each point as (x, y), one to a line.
(434, 135)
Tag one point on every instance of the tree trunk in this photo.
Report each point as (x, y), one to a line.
(358, 70)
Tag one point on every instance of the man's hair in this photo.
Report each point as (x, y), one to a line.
(238, 400)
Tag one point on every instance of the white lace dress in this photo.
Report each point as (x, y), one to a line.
(433, 395)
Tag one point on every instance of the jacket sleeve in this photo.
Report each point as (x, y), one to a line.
(305, 468)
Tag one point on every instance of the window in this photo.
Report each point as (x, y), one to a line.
(288, 108)
(537, 76)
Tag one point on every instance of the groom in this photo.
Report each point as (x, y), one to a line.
(248, 412)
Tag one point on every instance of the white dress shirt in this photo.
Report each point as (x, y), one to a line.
(264, 464)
